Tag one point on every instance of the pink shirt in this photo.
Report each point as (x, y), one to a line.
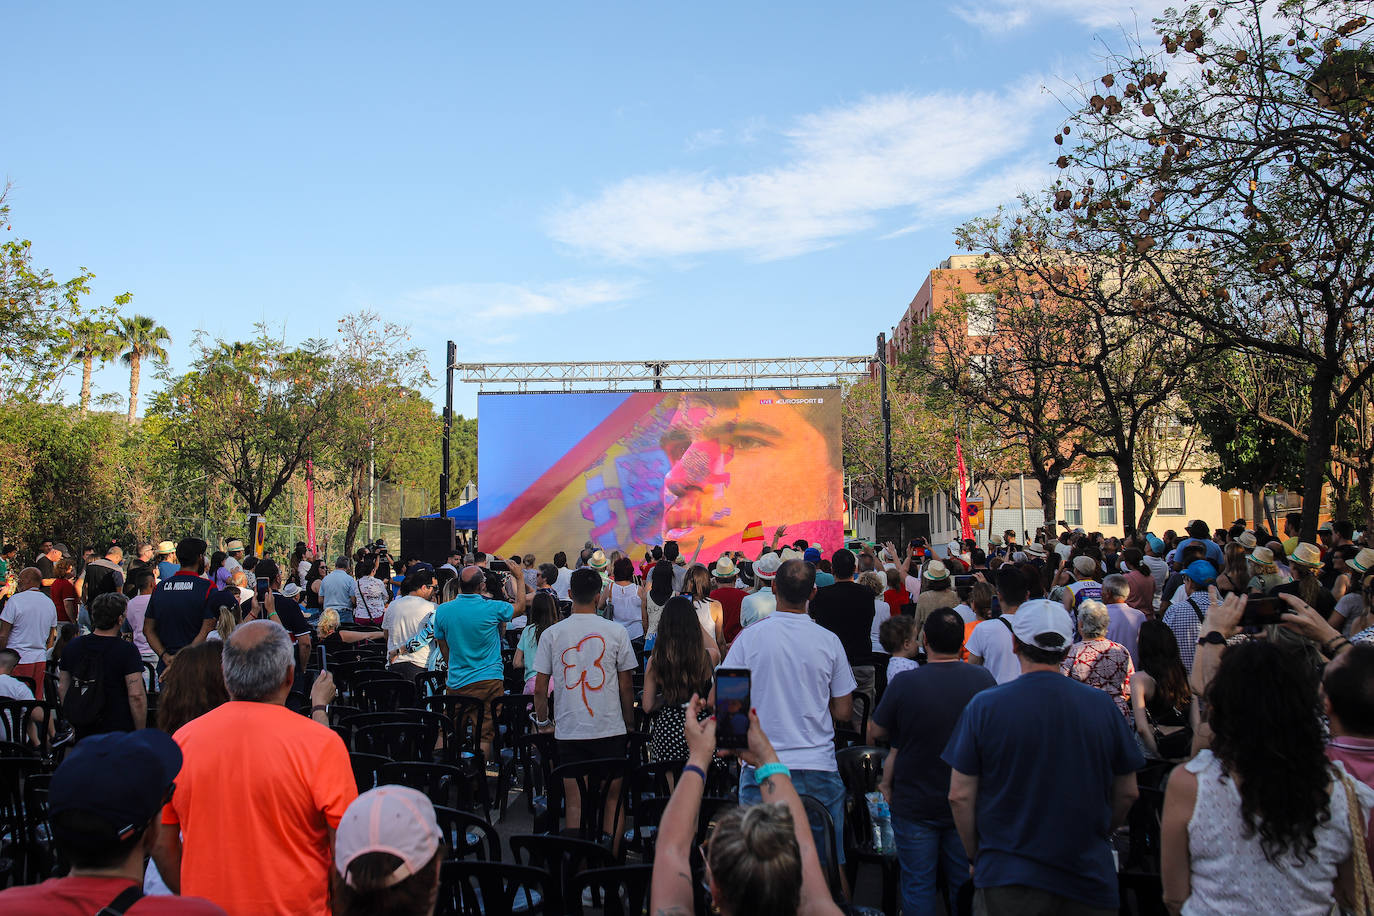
(1357, 754)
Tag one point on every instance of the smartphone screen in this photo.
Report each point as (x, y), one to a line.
(732, 707)
(964, 581)
(262, 586)
(1261, 612)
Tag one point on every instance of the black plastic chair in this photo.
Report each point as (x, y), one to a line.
(396, 740)
(861, 769)
(431, 684)
(863, 709)
(597, 787)
(15, 716)
(467, 835)
(366, 768)
(649, 781)
(619, 891)
(1139, 875)
(464, 789)
(563, 858)
(14, 775)
(482, 888)
(377, 695)
(538, 758)
(818, 816)
(467, 713)
(510, 716)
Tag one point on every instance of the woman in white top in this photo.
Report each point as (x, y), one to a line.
(1261, 820)
(371, 594)
(625, 599)
(881, 611)
(656, 590)
(709, 611)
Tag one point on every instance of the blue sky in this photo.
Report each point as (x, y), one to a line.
(536, 181)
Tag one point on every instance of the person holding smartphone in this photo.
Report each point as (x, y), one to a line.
(758, 857)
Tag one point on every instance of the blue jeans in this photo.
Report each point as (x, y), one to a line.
(921, 846)
(824, 786)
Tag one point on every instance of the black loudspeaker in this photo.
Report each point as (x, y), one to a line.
(901, 527)
(428, 539)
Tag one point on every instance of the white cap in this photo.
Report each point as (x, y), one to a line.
(393, 819)
(1044, 625)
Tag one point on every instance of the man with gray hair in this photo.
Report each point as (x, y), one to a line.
(339, 591)
(1123, 620)
(259, 784)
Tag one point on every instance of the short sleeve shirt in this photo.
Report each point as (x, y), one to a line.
(266, 803)
(846, 609)
(338, 590)
(404, 619)
(796, 667)
(180, 606)
(33, 617)
(583, 656)
(471, 625)
(1035, 743)
(919, 711)
(117, 659)
(991, 641)
(83, 896)
(757, 606)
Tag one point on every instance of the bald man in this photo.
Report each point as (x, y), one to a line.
(468, 631)
(28, 625)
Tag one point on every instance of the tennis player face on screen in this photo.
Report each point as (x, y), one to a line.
(751, 460)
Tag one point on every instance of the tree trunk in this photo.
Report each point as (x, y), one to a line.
(1257, 509)
(1049, 497)
(1147, 510)
(1364, 485)
(355, 509)
(1317, 455)
(134, 369)
(87, 358)
(1125, 475)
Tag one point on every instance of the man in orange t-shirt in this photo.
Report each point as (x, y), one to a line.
(261, 790)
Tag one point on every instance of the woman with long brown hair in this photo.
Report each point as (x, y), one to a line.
(1235, 570)
(192, 686)
(710, 614)
(680, 666)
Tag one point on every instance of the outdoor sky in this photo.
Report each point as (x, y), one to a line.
(536, 181)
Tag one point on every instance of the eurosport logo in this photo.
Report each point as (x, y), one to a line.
(768, 401)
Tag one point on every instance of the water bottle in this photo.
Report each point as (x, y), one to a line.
(880, 815)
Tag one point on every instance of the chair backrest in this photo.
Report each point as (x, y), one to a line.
(537, 755)
(472, 888)
(366, 767)
(563, 858)
(861, 769)
(396, 740)
(620, 891)
(823, 826)
(444, 728)
(863, 708)
(431, 683)
(445, 784)
(511, 716)
(467, 835)
(15, 716)
(380, 695)
(467, 714)
(597, 787)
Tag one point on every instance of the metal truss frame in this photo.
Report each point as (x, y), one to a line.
(660, 375)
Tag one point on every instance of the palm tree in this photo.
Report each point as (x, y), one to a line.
(90, 339)
(141, 337)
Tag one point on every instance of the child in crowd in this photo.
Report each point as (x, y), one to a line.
(898, 636)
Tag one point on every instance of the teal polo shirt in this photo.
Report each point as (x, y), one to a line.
(471, 625)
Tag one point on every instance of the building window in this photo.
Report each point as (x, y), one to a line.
(982, 314)
(1073, 504)
(1106, 502)
(1171, 503)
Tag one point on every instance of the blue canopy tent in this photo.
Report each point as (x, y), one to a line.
(464, 516)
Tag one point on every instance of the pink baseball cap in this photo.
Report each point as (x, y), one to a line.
(393, 819)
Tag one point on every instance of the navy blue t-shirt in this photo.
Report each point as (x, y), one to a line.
(1046, 749)
(181, 605)
(919, 710)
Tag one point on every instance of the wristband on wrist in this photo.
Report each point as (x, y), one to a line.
(693, 768)
(771, 769)
(1331, 645)
(319, 707)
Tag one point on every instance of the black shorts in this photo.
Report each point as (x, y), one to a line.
(612, 746)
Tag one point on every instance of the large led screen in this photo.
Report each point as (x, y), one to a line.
(631, 470)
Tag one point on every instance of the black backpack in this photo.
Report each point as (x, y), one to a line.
(85, 699)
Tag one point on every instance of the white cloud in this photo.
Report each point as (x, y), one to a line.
(486, 301)
(845, 168)
(1005, 15)
(705, 139)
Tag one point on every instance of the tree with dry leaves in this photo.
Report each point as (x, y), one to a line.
(1243, 142)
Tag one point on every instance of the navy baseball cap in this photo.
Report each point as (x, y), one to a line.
(120, 777)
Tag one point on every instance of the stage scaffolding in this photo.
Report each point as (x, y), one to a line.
(659, 375)
(641, 375)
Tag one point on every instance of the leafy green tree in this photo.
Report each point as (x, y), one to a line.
(248, 414)
(141, 338)
(35, 310)
(382, 421)
(92, 340)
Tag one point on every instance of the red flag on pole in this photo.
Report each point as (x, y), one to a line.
(965, 526)
(310, 505)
